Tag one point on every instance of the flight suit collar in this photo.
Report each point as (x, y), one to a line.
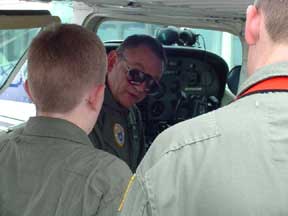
(269, 71)
(56, 128)
(110, 101)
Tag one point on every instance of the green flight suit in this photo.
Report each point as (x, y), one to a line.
(119, 131)
(229, 162)
(50, 167)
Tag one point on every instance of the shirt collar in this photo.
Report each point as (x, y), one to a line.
(56, 128)
(269, 71)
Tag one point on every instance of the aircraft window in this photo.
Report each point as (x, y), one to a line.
(223, 44)
(13, 45)
(15, 105)
(194, 80)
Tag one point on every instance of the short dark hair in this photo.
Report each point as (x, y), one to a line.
(137, 40)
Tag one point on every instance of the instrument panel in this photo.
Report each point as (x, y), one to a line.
(192, 84)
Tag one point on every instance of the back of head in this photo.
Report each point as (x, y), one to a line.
(136, 40)
(276, 16)
(64, 62)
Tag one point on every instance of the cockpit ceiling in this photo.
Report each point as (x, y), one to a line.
(213, 8)
(227, 15)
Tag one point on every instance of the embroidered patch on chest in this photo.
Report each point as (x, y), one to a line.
(119, 135)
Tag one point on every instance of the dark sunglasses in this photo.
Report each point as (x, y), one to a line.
(137, 77)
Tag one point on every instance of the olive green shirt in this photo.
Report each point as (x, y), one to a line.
(50, 167)
(229, 162)
(119, 131)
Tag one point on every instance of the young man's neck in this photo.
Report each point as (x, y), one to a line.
(80, 119)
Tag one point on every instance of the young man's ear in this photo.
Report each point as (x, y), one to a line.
(27, 89)
(96, 97)
(112, 58)
(252, 27)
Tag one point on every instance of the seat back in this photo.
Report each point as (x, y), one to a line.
(233, 79)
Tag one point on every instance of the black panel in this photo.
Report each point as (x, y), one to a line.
(24, 12)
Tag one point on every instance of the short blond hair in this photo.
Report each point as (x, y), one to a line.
(276, 17)
(64, 61)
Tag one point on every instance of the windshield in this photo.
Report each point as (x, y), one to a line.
(221, 43)
(13, 45)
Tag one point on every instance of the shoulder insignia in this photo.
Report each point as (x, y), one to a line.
(119, 135)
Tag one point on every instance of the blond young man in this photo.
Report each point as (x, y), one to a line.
(49, 166)
(232, 161)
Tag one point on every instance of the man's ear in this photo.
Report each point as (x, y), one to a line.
(252, 27)
(112, 58)
(27, 89)
(96, 97)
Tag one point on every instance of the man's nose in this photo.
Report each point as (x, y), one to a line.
(142, 87)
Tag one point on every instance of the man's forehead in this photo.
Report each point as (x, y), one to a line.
(145, 59)
(141, 49)
(140, 54)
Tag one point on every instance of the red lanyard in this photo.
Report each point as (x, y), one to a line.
(271, 84)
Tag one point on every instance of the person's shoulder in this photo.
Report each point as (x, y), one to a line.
(194, 135)
(190, 135)
(4, 138)
(88, 161)
(10, 133)
(188, 132)
(104, 172)
(111, 166)
(110, 176)
(204, 127)
(179, 136)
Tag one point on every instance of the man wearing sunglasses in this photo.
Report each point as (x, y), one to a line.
(134, 71)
